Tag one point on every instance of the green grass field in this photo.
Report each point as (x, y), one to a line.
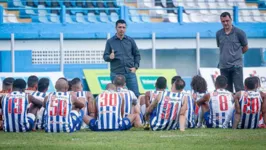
(138, 139)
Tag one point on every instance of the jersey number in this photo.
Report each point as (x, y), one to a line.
(58, 108)
(252, 108)
(108, 101)
(17, 108)
(223, 103)
(167, 110)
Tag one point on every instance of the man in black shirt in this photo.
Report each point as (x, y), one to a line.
(123, 54)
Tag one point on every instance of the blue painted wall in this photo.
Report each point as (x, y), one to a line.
(140, 30)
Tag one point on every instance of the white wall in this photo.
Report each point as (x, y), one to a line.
(100, 44)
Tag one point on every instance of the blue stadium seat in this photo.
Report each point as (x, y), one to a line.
(145, 18)
(262, 4)
(69, 19)
(27, 12)
(41, 9)
(114, 17)
(54, 18)
(135, 18)
(103, 17)
(92, 18)
(15, 3)
(40, 19)
(80, 18)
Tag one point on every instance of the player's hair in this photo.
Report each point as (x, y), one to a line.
(32, 80)
(198, 84)
(120, 21)
(69, 86)
(161, 83)
(19, 84)
(224, 14)
(180, 84)
(75, 81)
(8, 81)
(221, 81)
(174, 79)
(110, 86)
(119, 80)
(258, 81)
(250, 83)
(43, 84)
(63, 78)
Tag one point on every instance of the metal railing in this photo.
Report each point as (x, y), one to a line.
(124, 12)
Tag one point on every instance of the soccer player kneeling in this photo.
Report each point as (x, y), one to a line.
(167, 110)
(220, 104)
(248, 106)
(62, 109)
(109, 109)
(14, 104)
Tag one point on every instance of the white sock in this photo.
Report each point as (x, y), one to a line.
(200, 117)
(143, 109)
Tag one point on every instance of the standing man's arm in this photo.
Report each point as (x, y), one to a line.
(136, 54)
(108, 55)
(243, 41)
(217, 39)
(218, 43)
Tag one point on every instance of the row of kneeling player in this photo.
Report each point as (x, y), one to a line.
(117, 108)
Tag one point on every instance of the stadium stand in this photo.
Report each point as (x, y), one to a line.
(138, 10)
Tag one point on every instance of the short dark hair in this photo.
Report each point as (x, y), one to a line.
(179, 84)
(120, 21)
(250, 83)
(119, 80)
(161, 83)
(43, 84)
(174, 79)
(221, 81)
(19, 84)
(224, 14)
(63, 78)
(258, 81)
(8, 81)
(75, 81)
(198, 84)
(32, 80)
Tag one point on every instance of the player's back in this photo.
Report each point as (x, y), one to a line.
(2, 94)
(40, 113)
(153, 94)
(109, 105)
(190, 118)
(220, 103)
(250, 105)
(83, 95)
(30, 91)
(57, 112)
(14, 106)
(128, 98)
(197, 96)
(166, 115)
